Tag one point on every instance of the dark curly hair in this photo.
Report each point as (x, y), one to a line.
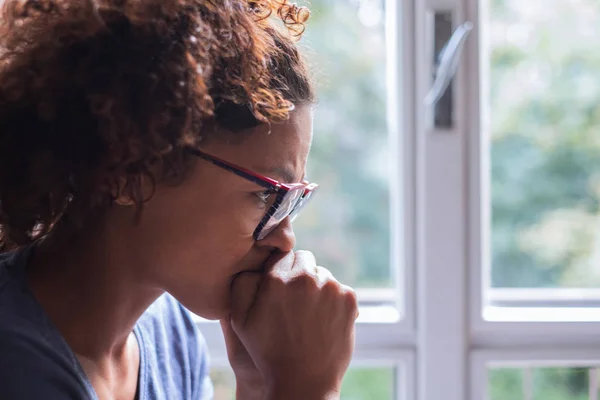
(98, 95)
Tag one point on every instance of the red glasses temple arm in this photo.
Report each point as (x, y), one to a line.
(239, 171)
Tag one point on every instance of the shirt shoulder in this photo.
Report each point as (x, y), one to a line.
(176, 355)
(32, 368)
(35, 362)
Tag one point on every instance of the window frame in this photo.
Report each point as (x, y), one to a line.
(534, 329)
(518, 310)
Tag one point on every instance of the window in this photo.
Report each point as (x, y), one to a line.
(543, 150)
(544, 143)
(470, 226)
(533, 200)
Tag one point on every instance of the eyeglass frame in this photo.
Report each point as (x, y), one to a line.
(279, 188)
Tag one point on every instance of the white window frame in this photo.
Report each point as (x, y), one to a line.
(510, 327)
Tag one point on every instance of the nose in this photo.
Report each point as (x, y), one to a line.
(282, 237)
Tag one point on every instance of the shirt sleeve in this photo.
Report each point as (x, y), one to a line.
(30, 370)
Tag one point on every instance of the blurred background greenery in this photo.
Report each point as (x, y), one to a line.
(544, 75)
(542, 65)
(542, 383)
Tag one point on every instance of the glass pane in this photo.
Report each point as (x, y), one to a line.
(347, 223)
(576, 383)
(369, 384)
(359, 384)
(544, 81)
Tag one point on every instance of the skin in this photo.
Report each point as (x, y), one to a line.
(192, 241)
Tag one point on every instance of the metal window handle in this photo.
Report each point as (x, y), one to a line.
(448, 63)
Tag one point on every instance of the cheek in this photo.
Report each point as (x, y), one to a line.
(232, 218)
(200, 237)
(211, 239)
(202, 259)
(226, 221)
(197, 246)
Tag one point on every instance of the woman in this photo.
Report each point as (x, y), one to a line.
(152, 155)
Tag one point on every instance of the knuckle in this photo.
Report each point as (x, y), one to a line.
(302, 282)
(304, 253)
(351, 299)
(274, 280)
(332, 287)
(305, 259)
(279, 261)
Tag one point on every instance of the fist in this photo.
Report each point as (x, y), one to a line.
(297, 324)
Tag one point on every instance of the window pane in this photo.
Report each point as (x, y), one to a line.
(544, 81)
(369, 384)
(347, 224)
(574, 383)
(359, 384)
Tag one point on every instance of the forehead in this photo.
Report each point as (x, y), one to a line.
(272, 150)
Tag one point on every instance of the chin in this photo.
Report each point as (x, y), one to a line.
(205, 309)
(212, 315)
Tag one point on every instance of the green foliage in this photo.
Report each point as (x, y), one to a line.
(545, 153)
(545, 384)
(505, 384)
(369, 384)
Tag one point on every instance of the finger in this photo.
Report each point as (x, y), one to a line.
(352, 300)
(244, 289)
(323, 275)
(305, 260)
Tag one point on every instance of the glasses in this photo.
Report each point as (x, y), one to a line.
(290, 198)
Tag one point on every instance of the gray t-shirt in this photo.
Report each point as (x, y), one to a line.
(37, 364)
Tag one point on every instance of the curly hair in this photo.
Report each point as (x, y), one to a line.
(97, 95)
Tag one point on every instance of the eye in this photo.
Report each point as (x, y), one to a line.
(265, 195)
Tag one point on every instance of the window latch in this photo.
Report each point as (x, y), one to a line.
(447, 63)
(448, 47)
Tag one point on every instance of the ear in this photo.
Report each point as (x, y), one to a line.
(121, 194)
(124, 200)
(141, 187)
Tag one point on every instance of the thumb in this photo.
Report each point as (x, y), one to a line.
(244, 289)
